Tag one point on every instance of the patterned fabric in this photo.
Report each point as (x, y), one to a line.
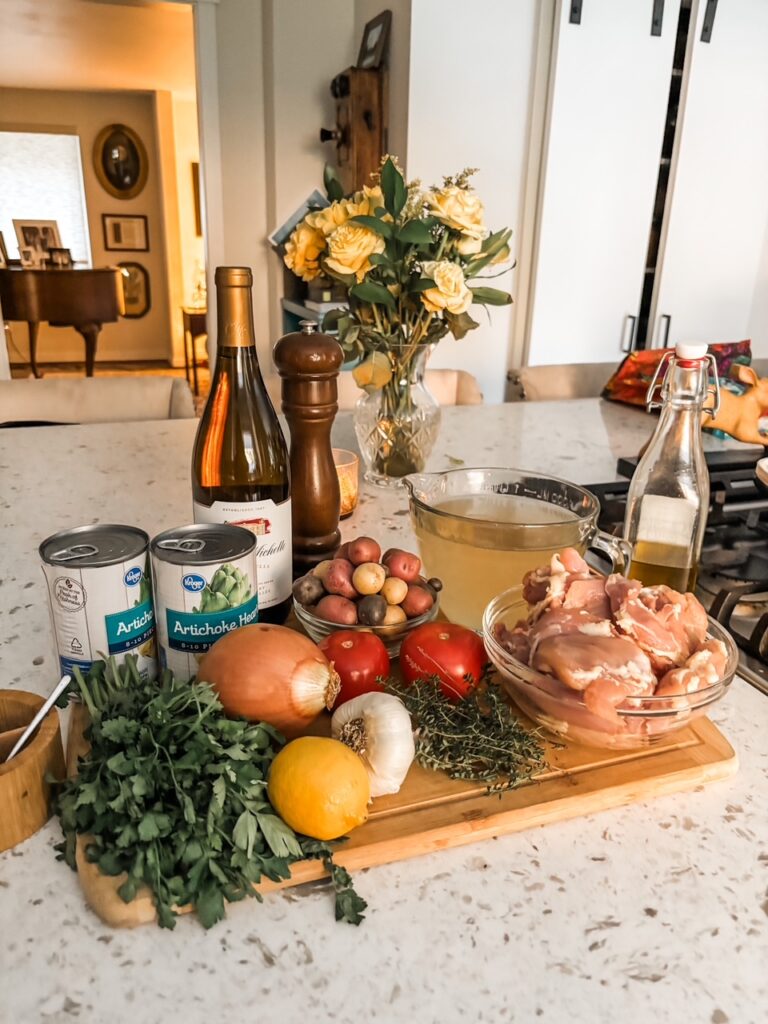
(631, 380)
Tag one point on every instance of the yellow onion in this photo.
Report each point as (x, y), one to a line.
(270, 674)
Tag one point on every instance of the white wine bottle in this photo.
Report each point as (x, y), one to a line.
(240, 467)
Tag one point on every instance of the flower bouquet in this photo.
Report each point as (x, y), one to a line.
(406, 256)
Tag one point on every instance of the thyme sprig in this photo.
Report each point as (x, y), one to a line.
(478, 738)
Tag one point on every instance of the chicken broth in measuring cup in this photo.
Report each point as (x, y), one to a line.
(481, 530)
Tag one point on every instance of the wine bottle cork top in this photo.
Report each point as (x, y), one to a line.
(233, 277)
(691, 350)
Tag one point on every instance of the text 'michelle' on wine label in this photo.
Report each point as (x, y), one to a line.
(271, 524)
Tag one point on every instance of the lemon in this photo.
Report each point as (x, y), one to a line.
(319, 787)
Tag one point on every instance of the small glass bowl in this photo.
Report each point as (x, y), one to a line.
(641, 721)
(391, 636)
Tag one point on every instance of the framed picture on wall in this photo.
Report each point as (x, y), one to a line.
(39, 237)
(373, 47)
(125, 234)
(3, 252)
(135, 290)
(120, 161)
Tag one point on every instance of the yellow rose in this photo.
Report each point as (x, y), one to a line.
(450, 291)
(361, 204)
(302, 251)
(328, 219)
(460, 209)
(350, 248)
(469, 246)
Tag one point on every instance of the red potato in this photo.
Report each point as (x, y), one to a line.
(338, 578)
(343, 551)
(417, 601)
(403, 564)
(333, 608)
(363, 549)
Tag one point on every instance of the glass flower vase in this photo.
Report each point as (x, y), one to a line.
(397, 425)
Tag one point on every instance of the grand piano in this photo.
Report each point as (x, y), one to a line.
(83, 299)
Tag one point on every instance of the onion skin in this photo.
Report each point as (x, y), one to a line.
(270, 674)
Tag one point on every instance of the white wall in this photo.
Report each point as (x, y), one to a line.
(270, 64)
(470, 82)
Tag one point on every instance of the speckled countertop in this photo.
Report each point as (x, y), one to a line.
(657, 911)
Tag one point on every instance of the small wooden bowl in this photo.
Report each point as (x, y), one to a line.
(25, 796)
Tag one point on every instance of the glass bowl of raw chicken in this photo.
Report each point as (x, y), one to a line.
(605, 661)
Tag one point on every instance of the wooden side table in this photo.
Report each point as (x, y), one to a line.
(194, 327)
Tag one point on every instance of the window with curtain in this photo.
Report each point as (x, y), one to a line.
(41, 178)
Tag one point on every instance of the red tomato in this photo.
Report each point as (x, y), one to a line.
(359, 658)
(454, 654)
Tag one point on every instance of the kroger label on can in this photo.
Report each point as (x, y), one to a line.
(100, 596)
(205, 587)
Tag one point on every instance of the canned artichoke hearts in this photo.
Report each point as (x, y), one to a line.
(205, 586)
(100, 596)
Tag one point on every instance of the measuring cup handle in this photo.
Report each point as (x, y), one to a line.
(618, 550)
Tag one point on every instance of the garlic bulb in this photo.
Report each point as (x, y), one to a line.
(378, 728)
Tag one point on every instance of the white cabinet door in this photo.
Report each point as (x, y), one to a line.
(608, 101)
(713, 281)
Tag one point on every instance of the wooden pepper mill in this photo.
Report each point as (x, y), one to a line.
(308, 363)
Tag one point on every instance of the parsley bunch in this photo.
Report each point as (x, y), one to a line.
(175, 794)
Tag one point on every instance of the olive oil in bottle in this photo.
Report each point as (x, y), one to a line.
(240, 467)
(668, 497)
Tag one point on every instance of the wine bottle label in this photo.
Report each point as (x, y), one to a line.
(666, 520)
(271, 523)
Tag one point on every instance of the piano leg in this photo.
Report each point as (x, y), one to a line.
(90, 333)
(33, 327)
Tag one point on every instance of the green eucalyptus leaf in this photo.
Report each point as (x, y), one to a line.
(460, 324)
(490, 297)
(415, 231)
(332, 184)
(393, 188)
(369, 291)
(381, 227)
(421, 284)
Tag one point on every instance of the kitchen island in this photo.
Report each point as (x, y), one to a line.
(654, 911)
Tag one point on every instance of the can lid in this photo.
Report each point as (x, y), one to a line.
(203, 543)
(691, 349)
(94, 546)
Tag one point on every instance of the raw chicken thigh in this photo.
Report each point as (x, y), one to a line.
(607, 640)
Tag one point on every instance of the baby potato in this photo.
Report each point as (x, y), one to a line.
(321, 569)
(363, 549)
(368, 578)
(343, 551)
(333, 608)
(308, 589)
(394, 590)
(395, 614)
(338, 578)
(417, 601)
(371, 610)
(403, 564)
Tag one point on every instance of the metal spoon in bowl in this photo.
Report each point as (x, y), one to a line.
(22, 741)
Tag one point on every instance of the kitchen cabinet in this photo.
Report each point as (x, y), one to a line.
(713, 272)
(609, 82)
(652, 218)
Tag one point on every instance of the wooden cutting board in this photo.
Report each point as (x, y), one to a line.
(431, 812)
